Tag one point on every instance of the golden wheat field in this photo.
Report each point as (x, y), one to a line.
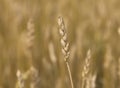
(59, 43)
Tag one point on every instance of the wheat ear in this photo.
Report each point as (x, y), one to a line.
(30, 39)
(65, 46)
(30, 34)
(86, 69)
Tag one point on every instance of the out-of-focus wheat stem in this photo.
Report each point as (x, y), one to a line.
(20, 82)
(35, 78)
(119, 70)
(65, 46)
(30, 40)
(119, 66)
(86, 67)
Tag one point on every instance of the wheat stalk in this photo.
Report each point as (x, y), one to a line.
(86, 69)
(30, 39)
(119, 70)
(65, 46)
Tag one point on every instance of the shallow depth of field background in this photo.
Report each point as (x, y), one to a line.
(90, 24)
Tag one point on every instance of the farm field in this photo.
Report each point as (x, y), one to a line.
(59, 44)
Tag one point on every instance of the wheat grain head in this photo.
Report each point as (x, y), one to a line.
(65, 46)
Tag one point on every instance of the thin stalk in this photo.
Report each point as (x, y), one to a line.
(70, 75)
(65, 47)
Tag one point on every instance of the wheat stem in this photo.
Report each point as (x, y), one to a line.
(70, 75)
(65, 47)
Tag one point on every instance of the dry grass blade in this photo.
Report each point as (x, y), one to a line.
(65, 46)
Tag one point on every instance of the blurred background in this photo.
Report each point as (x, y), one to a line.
(90, 24)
